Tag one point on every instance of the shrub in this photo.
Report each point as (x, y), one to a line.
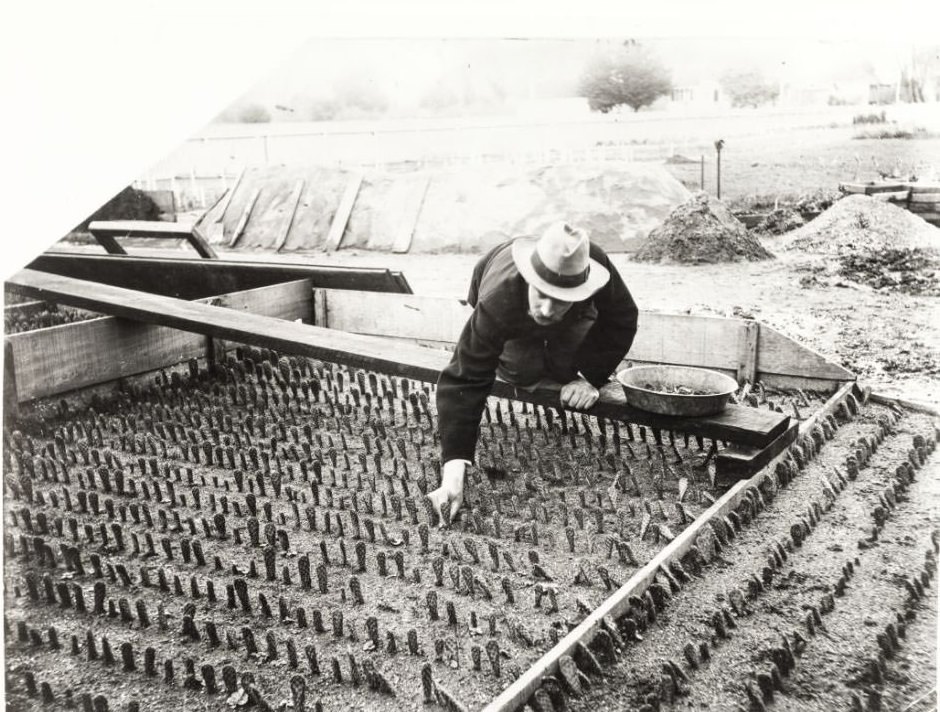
(870, 118)
(129, 204)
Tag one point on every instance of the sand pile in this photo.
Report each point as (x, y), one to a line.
(860, 223)
(876, 244)
(702, 230)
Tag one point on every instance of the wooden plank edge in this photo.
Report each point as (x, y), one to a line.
(243, 220)
(10, 395)
(294, 199)
(199, 242)
(518, 693)
(918, 406)
(734, 462)
(747, 364)
(214, 351)
(825, 368)
(109, 244)
(341, 217)
(402, 242)
(228, 197)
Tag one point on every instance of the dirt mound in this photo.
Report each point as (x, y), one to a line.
(467, 209)
(780, 221)
(702, 230)
(876, 244)
(911, 270)
(863, 224)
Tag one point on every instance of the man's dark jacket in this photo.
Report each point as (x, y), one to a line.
(499, 297)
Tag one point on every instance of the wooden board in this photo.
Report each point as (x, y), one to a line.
(517, 694)
(933, 198)
(292, 202)
(63, 358)
(747, 353)
(919, 406)
(872, 188)
(194, 279)
(779, 354)
(739, 346)
(411, 209)
(108, 230)
(343, 211)
(736, 424)
(220, 215)
(736, 462)
(243, 219)
(708, 342)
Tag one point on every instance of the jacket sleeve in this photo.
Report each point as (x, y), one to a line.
(465, 384)
(612, 335)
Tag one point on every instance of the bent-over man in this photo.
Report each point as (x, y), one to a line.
(550, 312)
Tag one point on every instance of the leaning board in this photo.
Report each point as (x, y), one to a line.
(736, 424)
(85, 353)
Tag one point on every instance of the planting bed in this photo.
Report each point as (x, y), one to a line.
(40, 315)
(257, 532)
(825, 601)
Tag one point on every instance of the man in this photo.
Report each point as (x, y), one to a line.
(547, 313)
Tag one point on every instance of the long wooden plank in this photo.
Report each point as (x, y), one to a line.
(189, 278)
(343, 211)
(517, 694)
(292, 202)
(70, 356)
(735, 424)
(411, 209)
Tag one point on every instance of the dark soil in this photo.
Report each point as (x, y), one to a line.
(701, 230)
(569, 506)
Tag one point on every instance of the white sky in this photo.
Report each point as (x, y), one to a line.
(94, 92)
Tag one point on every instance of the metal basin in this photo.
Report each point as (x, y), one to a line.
(712, 389)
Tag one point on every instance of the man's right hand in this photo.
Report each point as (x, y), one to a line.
(449, 496)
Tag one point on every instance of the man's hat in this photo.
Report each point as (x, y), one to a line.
(559, 264)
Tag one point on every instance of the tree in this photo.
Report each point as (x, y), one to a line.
(253, 114)
(631, 76)
(748, 88)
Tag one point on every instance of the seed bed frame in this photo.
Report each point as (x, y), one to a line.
(183, 309)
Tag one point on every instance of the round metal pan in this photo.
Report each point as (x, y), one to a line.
(718, 386)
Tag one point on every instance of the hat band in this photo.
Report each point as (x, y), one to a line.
(555, 278)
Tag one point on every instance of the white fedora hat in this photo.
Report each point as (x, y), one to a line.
(559, 264)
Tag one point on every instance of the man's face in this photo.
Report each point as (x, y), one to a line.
(545, 310)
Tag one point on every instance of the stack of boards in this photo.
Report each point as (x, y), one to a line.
(922, 199)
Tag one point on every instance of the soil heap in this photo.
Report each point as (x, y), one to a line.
(876, 244)
(702, 230)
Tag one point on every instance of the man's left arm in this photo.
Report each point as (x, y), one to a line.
(612, 335)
